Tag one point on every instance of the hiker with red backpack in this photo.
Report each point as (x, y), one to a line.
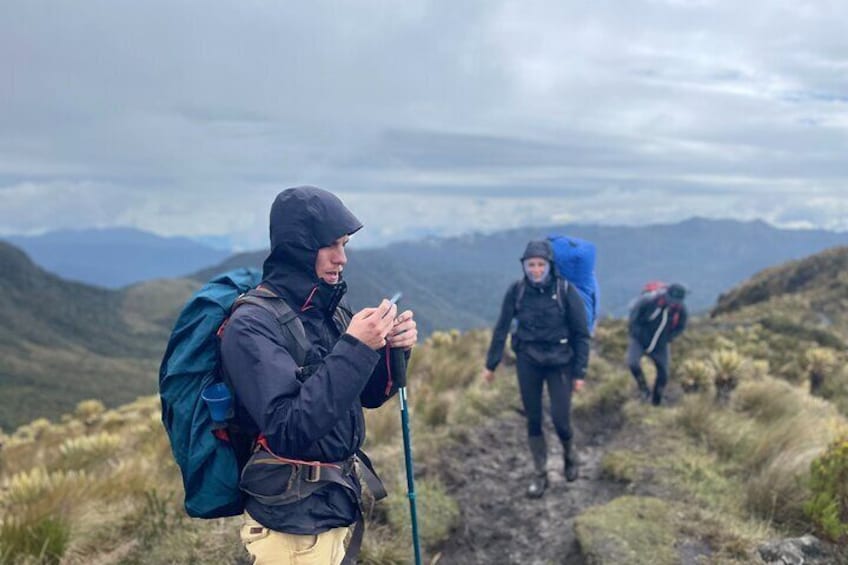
(551, 342)
(657, 318)
(303, 402)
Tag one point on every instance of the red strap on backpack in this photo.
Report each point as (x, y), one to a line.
(262, 442)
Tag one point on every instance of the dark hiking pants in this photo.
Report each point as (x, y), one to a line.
(531, 379)
(661, 356)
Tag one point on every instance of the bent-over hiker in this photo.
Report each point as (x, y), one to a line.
(657, 318)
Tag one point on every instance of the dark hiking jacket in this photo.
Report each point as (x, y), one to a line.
(320, 418)
(656, 320)
(545, 334)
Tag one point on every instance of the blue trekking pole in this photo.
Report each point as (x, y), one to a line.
(397, 367)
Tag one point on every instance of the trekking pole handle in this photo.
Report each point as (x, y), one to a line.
(397, 365)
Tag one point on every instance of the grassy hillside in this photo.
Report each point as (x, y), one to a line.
(745, 451)
(61, 342)
(801, 310)
(719, 479)
(813, 291)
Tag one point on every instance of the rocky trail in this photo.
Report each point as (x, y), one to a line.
(488, 474)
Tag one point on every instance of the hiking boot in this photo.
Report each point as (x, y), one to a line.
(537, 486)
(539, 451)
(569, 455)
(644, 391)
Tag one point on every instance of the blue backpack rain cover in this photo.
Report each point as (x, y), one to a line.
(209, 466)
(575, 261)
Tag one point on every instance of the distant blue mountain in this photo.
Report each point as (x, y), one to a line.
(116, 257)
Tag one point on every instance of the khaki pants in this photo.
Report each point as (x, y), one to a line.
(269, 547)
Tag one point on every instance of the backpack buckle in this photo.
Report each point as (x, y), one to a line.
(313, 473)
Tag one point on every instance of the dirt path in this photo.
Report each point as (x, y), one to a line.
(487, 476)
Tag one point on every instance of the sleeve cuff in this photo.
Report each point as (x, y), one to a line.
(359, 350)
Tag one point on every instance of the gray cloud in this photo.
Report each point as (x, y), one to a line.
(187, 117)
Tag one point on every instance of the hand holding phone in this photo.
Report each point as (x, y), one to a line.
(373, 326)
(404, 333)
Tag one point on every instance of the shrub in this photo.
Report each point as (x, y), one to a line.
(89, 410)
(819, 362)
(726, 365)
(759, 369)
(32, 431)
(828, 506)
(38, 483)
(695, 376)
(77, 452)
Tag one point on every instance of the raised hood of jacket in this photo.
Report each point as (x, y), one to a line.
(303, 220)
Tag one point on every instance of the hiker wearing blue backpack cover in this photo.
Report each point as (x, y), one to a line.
(302, 494)
(657, 318)
(551, 341)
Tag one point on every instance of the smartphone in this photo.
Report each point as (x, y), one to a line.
(395, 297)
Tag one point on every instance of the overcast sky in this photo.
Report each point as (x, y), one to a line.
(188, 117)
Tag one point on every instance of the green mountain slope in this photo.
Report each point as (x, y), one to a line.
(61, 342)
(813, 290)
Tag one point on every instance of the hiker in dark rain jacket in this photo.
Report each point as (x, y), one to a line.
(310, 414)
(551, 342)
(656, 319)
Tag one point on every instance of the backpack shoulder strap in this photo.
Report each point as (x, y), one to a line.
(293, 331)
(562, 289)
(342, 316)
(520, 288)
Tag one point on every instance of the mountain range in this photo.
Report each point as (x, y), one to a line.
(62, 341)
(116, 257)
(459, 282)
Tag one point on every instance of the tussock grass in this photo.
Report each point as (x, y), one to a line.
(772, 433)
(624, 466)
(381, 547)
(105, 483)
(26, 539)
(437, 513)
(643, 532)
(382, 425)
(78, 452)
(743, 468)
(610, 386)
(121, 501)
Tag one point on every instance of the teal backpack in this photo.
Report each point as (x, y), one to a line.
(209, 453)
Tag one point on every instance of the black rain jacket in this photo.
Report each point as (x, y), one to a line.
(656, 320)
(321, 418)
(544, 334)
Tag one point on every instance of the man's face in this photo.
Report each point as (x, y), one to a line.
(331, 260)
